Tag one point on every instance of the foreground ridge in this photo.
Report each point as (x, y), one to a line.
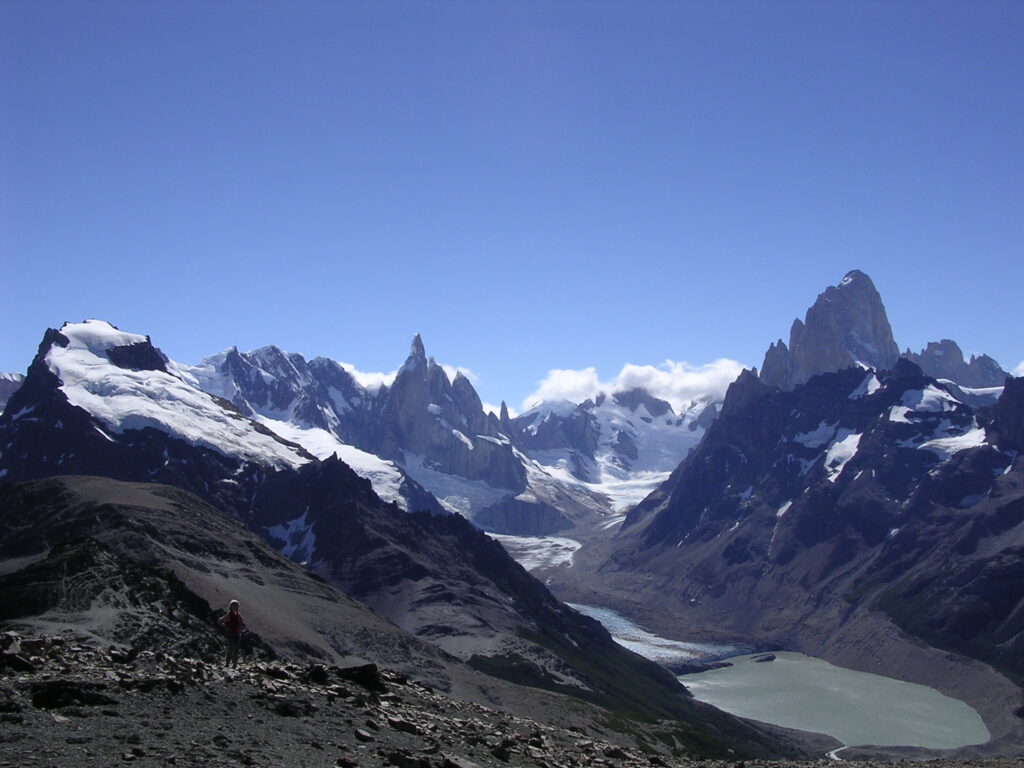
(68, 702)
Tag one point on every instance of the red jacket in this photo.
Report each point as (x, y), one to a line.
(233, 623)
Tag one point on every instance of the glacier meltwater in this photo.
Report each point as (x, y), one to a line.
(857, 708)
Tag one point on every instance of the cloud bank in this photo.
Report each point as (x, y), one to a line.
(1019, 370)
(677, 382)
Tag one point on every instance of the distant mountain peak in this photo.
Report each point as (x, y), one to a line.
(416, 349)
(855, 276)
(945, 360)
(847, 325)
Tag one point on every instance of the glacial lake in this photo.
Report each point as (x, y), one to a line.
(857, 708)
(810, 694)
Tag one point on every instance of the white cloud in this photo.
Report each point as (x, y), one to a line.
(677, 382)
(451, 370)
(565, 384)
(370, 381)
(1019, 370)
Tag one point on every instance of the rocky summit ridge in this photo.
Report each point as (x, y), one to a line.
(945, 360)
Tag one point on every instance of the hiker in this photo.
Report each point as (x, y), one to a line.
(232, 624)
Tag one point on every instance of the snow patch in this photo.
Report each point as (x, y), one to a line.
(123, 399)
(821, 435)
(298, 537)
(842, 449)
(898, 414)
(931, 399)
(869, 386)
(946, 447)
(385, 478)
(98, 336)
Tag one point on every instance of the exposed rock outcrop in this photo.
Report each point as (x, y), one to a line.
(846, 325)
(945, 360)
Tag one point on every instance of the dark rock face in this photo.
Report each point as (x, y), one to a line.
(522, 518)
(634, 398)
(444, 424)
(138, 357)
(945, 360)
(846, 325)
(1009, 413)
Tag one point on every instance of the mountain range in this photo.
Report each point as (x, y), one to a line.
(847, 504)
(100, 408)
(848, 501)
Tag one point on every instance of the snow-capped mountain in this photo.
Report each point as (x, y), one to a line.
(120, 389)
(423, 431)
(98, 401)
(621, 445)
(873, 516)
(859, 504)
(508, 475)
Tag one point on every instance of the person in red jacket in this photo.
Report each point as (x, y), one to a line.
(232, 624)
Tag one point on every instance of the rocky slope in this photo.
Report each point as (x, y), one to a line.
(839, 518)
(82, 705)
(99, 562)
(434, 574)
(846, 504)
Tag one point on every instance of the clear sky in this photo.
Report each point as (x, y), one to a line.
(530, 186)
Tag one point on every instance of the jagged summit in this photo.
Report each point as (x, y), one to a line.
(416, 349)
(945, 360)
(847, 325)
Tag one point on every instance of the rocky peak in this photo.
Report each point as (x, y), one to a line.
(634, 398)
(945, 360)
(417, 354)
(846, 325)
(746, 389)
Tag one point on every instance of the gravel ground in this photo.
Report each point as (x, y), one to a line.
(67, 705)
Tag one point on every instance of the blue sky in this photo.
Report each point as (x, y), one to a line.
(530, 186)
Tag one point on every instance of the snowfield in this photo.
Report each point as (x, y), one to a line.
(123, 399)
